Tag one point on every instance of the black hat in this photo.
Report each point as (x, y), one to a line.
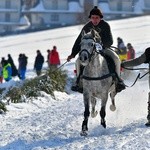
(129, 44)
(96, 11)
(38, 51)
(54, 47)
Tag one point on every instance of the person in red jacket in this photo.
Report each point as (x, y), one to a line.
(54, 58)
(131, 52)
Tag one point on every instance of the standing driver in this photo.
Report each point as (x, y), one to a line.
(144, 58)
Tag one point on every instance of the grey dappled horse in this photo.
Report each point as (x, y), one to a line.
(97, 81)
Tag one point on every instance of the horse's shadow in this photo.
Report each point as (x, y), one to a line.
(98, 131)
(49, 143)
(58, 141)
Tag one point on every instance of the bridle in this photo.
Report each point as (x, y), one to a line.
(97, 48)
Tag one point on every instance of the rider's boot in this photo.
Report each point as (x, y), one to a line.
(76, 87)
(119, 84)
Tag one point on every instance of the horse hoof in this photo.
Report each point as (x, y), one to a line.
(147, 124)
(112, 107)
(94, 114)
(83, 133)
(103, 123)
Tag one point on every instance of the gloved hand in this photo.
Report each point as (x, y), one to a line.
(122, 65)
(70, 57)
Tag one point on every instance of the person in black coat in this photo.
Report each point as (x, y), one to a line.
(38, 64)
(14, 69)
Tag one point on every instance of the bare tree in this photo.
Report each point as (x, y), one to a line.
(83, 17)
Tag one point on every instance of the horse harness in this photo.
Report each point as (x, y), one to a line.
(99, 50)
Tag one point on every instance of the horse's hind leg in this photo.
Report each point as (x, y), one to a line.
(86, 116)
(93, 103)
(112, 96)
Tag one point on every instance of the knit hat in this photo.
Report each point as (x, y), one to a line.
(96, 11)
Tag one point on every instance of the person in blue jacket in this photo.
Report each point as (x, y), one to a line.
(23, 61)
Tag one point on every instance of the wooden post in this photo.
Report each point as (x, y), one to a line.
(148, 116)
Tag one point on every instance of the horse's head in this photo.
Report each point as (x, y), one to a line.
(88, 46)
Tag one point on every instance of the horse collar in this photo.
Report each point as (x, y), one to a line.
(98, 78)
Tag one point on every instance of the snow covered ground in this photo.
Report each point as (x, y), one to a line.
(51, 124)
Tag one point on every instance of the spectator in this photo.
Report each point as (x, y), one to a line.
(19, 67)
(130, 52)
(2, 60)
(38, 64)
(121, 45)
(54, 58)
(1, 73)
(22, 60)
(14, 69)
(48, 57)
(7, 71)
(122, 50)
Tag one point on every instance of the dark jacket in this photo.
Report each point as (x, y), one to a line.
(14, 69)
(39, 60)
(102, 28)
(23, 60)
(144, 58)
(147, 54)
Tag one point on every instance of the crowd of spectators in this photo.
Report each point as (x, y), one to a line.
(8, 68)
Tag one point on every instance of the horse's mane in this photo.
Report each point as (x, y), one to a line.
(93, 34)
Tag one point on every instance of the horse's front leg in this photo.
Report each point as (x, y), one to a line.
(86, 116)
(103, 113)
